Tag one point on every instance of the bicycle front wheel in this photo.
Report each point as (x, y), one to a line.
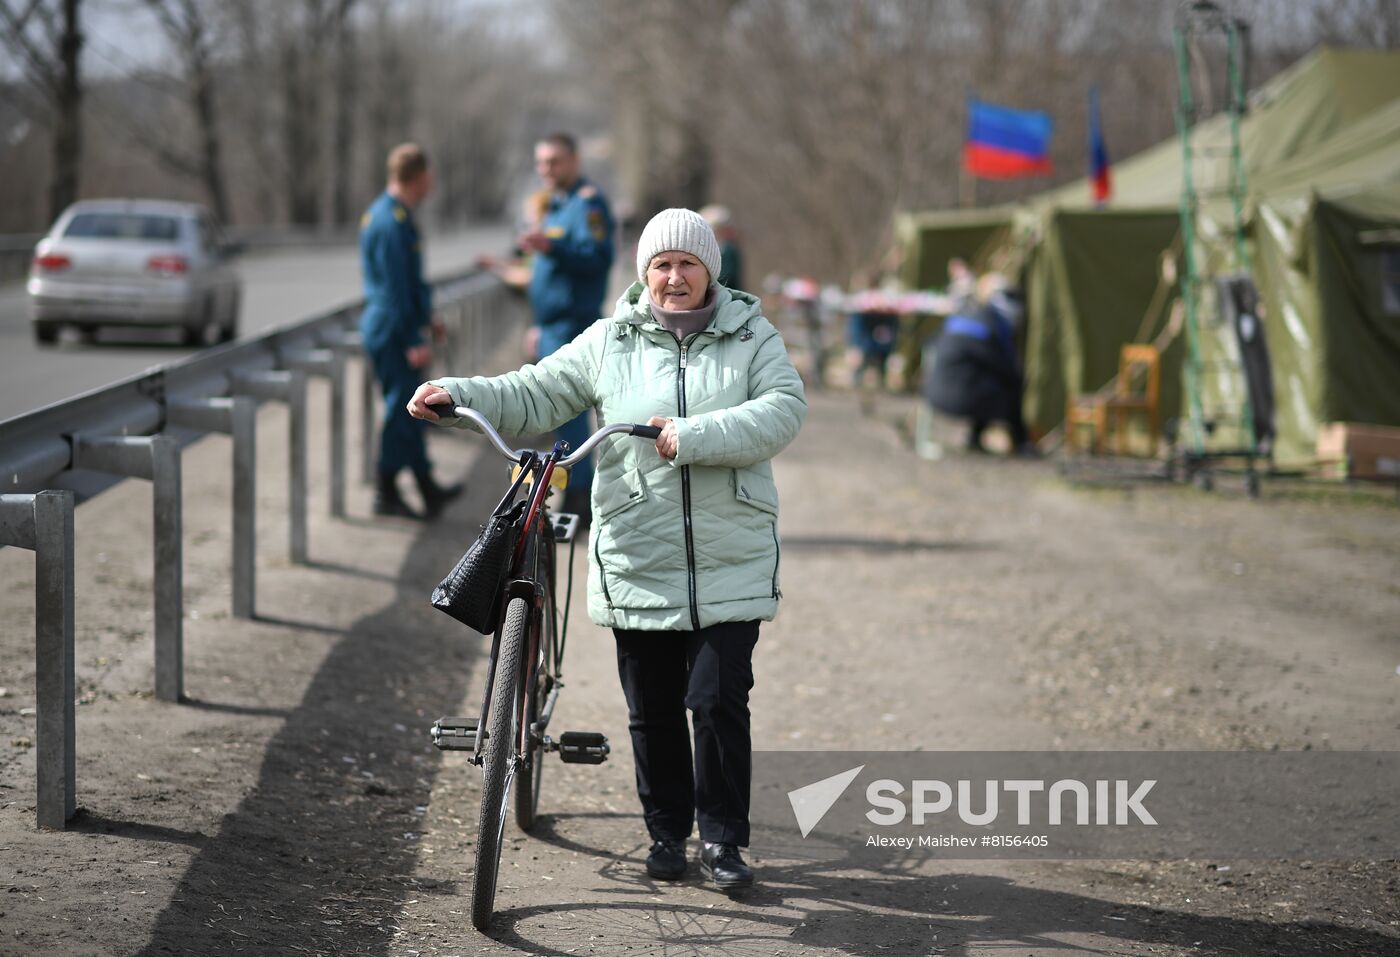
(503, 726)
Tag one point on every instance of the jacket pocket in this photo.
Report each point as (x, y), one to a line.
(753, 487)
(624, 492)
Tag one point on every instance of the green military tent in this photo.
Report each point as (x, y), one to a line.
(1325, 243)
(928, 240)
(1319, 148)
(1081, 313)
(1293, 114)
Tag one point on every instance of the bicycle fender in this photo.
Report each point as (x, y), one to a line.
(522, 588)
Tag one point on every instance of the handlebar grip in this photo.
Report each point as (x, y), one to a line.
(646, 431)
(444, 410)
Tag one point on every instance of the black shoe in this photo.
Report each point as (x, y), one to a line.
(435, 496)
(666, 862)
(723, 864)
(388, 502)
(576, 501)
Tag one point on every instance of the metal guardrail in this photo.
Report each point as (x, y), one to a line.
(16, 250)
(59, 456)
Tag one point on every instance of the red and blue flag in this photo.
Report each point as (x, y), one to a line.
(1098, 153)
(1003, 143)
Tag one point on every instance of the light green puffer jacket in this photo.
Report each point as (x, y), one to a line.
(677, 544)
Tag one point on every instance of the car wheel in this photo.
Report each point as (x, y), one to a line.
(208, 332)
(45, 334)
(230, 327)
(87, 335)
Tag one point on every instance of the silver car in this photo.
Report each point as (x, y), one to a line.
(135, 262)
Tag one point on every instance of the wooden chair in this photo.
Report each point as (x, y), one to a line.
(1138, 390)
(1091, 410)
(1134, 390)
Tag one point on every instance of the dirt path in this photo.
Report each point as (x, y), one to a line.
(295, 807)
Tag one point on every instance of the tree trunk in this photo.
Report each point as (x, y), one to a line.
(346, 92)
(68, 132)
(300, 136)
(211, 147)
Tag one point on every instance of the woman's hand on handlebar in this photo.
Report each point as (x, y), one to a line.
(666, 444)
(421, 405)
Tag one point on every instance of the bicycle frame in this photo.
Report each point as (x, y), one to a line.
(523, 710)
(535, 584)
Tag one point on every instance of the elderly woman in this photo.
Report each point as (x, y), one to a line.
(684, 541)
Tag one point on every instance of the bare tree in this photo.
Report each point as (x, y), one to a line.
(659, 97)
(252, 102)
(45, 38)
(347, 71)
(186, 23)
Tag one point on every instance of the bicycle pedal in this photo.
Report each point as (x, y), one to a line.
(454, 734)
(582, 747)
(565, 525)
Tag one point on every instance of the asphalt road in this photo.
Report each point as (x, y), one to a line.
(279, 286)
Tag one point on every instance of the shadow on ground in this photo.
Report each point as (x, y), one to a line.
(320, 856)
(845, 907)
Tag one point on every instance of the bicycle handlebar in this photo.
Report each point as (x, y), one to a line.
(515, 455)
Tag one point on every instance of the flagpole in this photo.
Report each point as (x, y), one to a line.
(967, 183)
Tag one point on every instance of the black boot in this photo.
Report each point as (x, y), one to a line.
(723, 864)
(666, 861)
(387, 500)
(435, 496)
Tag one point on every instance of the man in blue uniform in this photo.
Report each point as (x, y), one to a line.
(573, 254)
(396, 316)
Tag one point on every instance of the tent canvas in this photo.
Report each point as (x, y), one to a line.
(1082, 313)
(1326, 267)
(1323, 166)
(1317, 239)
(929, 240)
(1291, 115)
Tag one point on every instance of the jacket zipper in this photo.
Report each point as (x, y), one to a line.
(685, 495)
(777, 560)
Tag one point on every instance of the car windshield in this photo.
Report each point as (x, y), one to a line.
(137, 226)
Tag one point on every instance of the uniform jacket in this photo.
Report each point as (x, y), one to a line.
(568, 283)
(685, 543)
(398, 303)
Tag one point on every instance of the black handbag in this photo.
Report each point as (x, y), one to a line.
(471, 592)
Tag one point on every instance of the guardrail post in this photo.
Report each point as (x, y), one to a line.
(369, 424)
(154, 457)
(43, 522)
(287, 386)
(348, 344)
(330, 364)
(236, 417)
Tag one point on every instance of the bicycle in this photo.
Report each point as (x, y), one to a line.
(524, 669)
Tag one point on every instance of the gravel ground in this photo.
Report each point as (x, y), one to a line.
(294, 807)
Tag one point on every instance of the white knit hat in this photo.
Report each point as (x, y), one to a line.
(678, 230)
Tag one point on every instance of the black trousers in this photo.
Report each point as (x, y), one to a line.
(710, 672)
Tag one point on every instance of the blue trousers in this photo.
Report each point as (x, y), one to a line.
(553, 337)
(402, 441)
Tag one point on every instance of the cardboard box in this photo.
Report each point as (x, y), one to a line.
(1353, 450)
